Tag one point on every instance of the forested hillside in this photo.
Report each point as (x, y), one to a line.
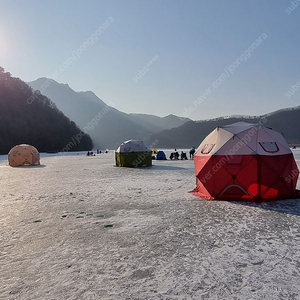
(31, 118)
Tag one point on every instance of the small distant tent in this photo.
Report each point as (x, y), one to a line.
(133, 153)
(23, 155)
(161, 155)
(245, 161)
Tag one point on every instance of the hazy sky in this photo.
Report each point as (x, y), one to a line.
(201, 59)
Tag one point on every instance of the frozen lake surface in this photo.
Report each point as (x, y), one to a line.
(77, 227)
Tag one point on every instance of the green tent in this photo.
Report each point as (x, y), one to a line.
(133, 153)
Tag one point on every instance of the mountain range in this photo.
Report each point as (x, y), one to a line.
(285, 121)
(107, 126)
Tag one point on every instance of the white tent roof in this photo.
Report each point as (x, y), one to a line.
(133, 146)
(243, 138)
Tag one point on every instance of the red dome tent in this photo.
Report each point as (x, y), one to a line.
(244, 161)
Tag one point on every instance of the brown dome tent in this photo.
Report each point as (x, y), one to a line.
(23, 155)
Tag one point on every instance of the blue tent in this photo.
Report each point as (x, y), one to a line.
(161, 155)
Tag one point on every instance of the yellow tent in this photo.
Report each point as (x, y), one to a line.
(23, 155)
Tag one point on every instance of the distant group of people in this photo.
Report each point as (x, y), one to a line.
(175, 155)
(91, 153)
(99, 151)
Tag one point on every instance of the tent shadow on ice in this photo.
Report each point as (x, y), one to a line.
(287, 206)
(164, 167)
(244, 161)
(32, 167)
(133, 153)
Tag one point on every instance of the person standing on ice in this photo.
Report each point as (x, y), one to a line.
(192, 152)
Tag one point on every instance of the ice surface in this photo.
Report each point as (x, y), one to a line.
(77, 227)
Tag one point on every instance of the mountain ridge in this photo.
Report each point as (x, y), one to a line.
(110, 126)
(251, 116)
(170, 131)
(285, 121)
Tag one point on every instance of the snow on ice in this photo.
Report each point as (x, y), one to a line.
(77, 227)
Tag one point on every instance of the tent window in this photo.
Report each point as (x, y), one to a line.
(207, 148)
(270, 147)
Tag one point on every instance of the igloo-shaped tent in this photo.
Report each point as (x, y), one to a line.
(161, 155)
(133, 153)
(23, 155)
(244, 161)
